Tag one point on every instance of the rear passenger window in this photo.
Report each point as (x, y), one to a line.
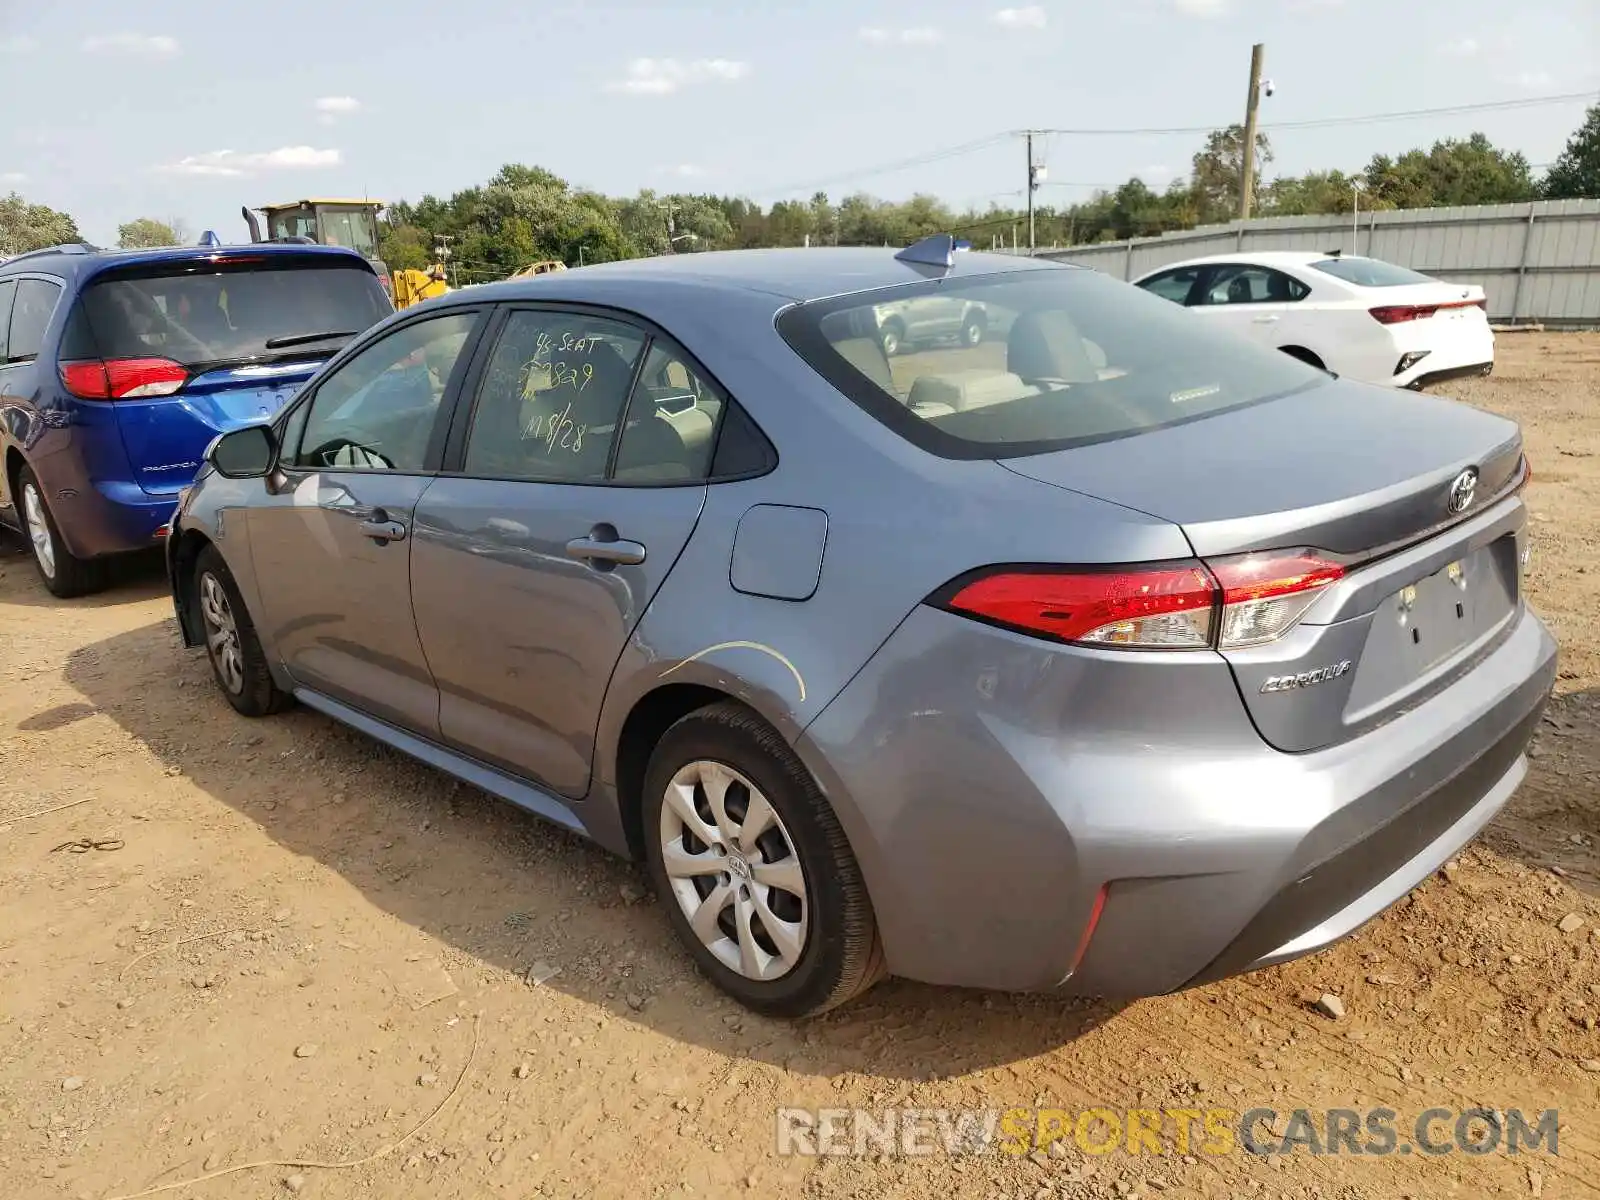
(671, 421)
(30, 314)
(552, 397)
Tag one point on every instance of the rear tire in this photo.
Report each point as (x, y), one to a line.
(63, 573)
(237, 660)
(893, 337)
(734, 893)
(972, 331)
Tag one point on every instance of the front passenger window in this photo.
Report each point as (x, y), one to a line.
(376, 412)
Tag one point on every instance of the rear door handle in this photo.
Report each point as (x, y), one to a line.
(1265, 319)
(383, 531)
(607, 550)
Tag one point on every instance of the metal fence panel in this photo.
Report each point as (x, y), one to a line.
(1537, 262)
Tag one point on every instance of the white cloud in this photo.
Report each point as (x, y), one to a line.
(1202, 8)
(922, 35)
(13, 177)
(331, 108)
(20, 44)
(141, 44)
(230, 163)
(1032, 17)
(1464, 47)
(684, 171)
(663, 76)
(1534, 81)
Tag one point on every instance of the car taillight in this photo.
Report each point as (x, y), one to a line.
(1153, 608)
(1265, 595)
(123, 378)
(1394, 314)
(1223, 604)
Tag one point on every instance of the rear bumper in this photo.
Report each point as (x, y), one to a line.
(994, 788)
(102, 517)
(1467, 352)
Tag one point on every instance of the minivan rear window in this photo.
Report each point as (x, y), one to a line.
(1370, 272)
(1029, 361)
(206, 313)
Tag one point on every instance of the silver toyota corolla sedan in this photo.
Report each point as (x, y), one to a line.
(1102, 653)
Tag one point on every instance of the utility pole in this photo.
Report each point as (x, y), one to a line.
(1036, 175)
(1247, 181)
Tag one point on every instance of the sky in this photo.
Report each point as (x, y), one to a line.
(188, 110)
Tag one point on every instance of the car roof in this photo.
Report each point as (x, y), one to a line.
(1264, 258)
(791, 274)
(82, 260)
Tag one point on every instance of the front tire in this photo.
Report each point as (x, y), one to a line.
(64, 573)
(237, 661)
(893, 338)
(753, 868)
(972, 331)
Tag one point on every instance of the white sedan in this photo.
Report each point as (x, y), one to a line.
(1358, 317)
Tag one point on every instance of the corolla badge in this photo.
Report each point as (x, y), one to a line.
(1289, 683)
(1462, 491)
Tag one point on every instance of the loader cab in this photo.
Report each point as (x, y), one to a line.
(349, 223)
(352, 224)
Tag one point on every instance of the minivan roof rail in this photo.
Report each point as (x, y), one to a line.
(64, 248)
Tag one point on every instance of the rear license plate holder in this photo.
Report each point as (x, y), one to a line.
(1440, 614)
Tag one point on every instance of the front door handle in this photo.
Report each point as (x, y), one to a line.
(1265, 319)
(383, 531)
(606, 550)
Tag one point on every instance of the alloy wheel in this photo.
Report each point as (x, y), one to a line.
(734, 870)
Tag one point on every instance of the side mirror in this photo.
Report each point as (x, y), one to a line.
(246, 453)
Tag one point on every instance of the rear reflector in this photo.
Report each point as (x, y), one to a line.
(123, 378)
(1223, 604)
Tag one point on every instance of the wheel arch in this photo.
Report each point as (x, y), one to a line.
(651, 716)
(1310, 357)
(185, 554)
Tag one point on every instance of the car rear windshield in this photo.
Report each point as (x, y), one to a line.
(204, 312)
(1025, 362)
(1369, 272)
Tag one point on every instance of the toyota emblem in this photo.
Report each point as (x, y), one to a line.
(1462, 491)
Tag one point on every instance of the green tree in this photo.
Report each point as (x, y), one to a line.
(1577, 172)
(1219, 172)
(1454, 172)
(142, 232)
(25, 226)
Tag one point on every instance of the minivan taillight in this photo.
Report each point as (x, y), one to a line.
(123, 378)
(1222, 604)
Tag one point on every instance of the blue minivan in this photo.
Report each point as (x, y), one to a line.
(119, 367)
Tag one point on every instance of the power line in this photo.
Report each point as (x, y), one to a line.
(984, 143)
(1329, 122)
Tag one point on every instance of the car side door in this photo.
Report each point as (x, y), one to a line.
(1248, 299)
(331, 540)
(574, 478)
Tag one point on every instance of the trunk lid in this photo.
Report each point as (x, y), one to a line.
(166, 436)
(1360, 472)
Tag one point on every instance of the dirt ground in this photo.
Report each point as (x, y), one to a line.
(306, 943)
